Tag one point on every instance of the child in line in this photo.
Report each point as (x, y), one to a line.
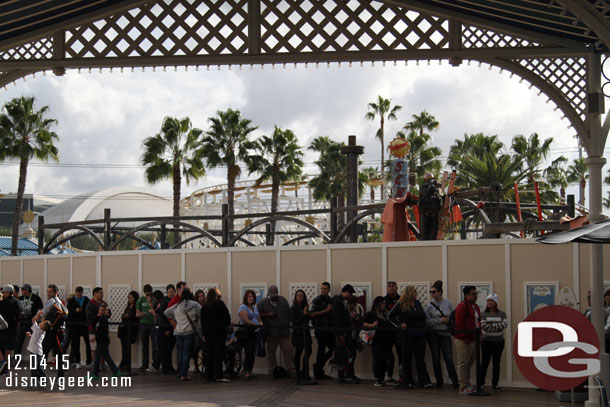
(102, 338)
(39, 329)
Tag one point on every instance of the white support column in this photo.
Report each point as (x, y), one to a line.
(98, 270)
(278, 270)
(576, 271)
(229, 281)
(183, 266)
(595, 162)
(508, 337)
(445, 264)
(329, 272)
(140, 272)
(384, 270)
(71, 274)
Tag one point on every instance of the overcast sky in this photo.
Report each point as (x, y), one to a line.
(103, 117)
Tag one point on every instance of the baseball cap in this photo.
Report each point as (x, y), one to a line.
(26, 287)
(7, 288)
(348, 287)
(428, 176)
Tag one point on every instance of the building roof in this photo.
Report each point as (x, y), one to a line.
(26, 247)
(123, 202)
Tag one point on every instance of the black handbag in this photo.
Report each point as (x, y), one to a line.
(198, 342)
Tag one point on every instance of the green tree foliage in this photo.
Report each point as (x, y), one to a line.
(277, 158)
(556, 176)
(578, 172)
(472, 147)
(171, 153)
(383, 110)
(24, 135)
(534, 152)
(226, 143)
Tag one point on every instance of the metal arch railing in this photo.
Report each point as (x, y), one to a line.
(85, 231)
(159, 223)
(276, 218)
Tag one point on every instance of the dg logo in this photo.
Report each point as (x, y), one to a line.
(556, 348)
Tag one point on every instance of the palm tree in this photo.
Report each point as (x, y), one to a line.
(475, 146)
(577, 172)
(382, 108)
(332, 180)
(277, 158)
(422, 122)
(171, 153)
(555, 175)
(504, 169)
(225, 144)
(607, 201)
(24, 135)
(533, 153)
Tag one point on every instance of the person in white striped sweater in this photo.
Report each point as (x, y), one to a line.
(493, 324)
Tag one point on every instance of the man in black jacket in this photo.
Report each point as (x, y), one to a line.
(322, 320)
(10, 310)
(166, 332)
(30, 304)
(77, 326)
(343, 328)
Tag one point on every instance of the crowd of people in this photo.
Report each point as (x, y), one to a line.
(395, 324)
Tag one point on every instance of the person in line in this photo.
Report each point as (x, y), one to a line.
(383, 338)
(200, 297)
(215, 320)
(102, 338)
(145, 312)
(409, 315)
(438, 311)
(166, 332)
(157, 297)
(275, 313)
(250, 320)
(128, 330)
(322, 319)
(56, 313)
(301, 337)
(391, 299)
(342, 323)
(180, 286)
(77, 323)
(10, 311)
(467, 323)
(30, 305)
(493, 324)
(39, 329)
(186, 314)
(91, 313)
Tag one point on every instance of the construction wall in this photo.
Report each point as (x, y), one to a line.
(505, 266)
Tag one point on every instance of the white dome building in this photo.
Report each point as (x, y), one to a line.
(123, 202)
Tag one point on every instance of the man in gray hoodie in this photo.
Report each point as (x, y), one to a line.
(275, 312)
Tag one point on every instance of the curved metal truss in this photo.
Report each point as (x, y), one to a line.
(236, 32)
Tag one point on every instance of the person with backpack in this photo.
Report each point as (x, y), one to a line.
(438, 311)
(493, 324)
(56, 313)
(467, 324)
(430, 203)
(186, 313)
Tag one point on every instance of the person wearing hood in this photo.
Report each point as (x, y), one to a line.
(381, 346)
(186, 314)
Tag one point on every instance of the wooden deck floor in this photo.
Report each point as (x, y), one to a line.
(149, 389)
